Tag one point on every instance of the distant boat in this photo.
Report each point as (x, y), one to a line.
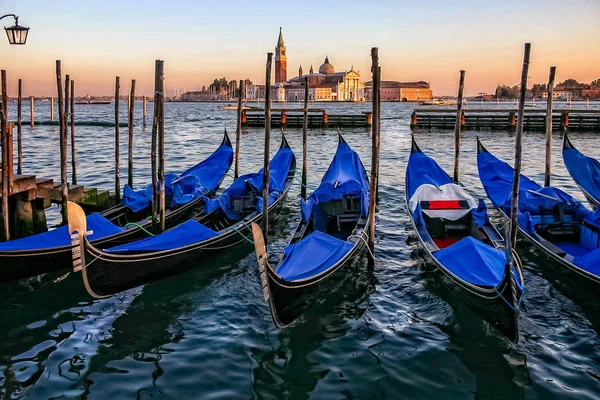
(439, 102)
(232, 107)
(93, 102)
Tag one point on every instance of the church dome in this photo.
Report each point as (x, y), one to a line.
(326, 68)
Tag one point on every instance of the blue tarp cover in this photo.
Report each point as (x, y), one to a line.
(497, 176)
(182, 235)
(279, 167)
(190, 185)
(590, 262)
(473, 261)
(584, 170)
(60, 236)
(423, 169)
(312, 255)
(346, 176)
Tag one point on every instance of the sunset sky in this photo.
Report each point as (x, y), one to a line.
(202, 40)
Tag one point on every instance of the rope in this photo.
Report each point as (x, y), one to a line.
(365, 242)
(139, 226)
(300, 182)
(241, 234)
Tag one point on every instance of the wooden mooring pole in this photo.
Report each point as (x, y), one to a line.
(238, 131)
(159, 102)
(73, 157)
(5, 159)
(266, 175)
(305, 140)
(376, 70)
(130, 135)
(145, 103)
(548, 169)
(458, 125)
(63, 145)
(153, 154)
(19, 116)
(117, 150)
(31, 111)
(514, 206)
(51, 108)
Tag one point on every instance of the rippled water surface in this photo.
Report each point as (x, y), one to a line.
(393, 331)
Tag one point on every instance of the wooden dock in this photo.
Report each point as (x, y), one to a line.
(533, 120)
(29, 196)
(317, 118)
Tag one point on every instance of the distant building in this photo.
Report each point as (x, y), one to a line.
(590, 93)
(578, 92)
(325, 85)
(280, 60)
(400, 91)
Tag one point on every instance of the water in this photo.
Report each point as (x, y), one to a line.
(391, 332)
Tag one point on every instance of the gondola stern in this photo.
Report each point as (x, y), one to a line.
(226, 140)
(340, 136)
(480, 147)
(414, 147)
(262, 260)
(567, 145)
(77, 225)
(284, 142)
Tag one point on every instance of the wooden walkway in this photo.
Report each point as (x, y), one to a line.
(317, 118)
(533, 120)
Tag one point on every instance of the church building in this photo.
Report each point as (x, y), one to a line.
(324, 85)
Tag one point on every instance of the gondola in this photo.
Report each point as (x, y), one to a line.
(330, 236)
(584, 170)
(224, 223)
(51, 251)
(549, 218)
(457, 237)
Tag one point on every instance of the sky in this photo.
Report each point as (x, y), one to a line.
(201, 40)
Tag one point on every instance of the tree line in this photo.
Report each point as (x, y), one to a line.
(512, 92)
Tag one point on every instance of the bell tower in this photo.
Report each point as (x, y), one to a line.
(280, 60)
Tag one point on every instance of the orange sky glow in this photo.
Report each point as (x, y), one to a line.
(427, 41)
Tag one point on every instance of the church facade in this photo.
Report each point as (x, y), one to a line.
(324, 85)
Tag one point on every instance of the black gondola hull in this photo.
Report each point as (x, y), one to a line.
(499, 307)
(25, 264)
(15, 265)
(289, 300)
(110, 273)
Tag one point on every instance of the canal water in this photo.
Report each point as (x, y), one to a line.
(393, 331)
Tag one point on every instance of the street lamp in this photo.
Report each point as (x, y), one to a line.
(16, 34)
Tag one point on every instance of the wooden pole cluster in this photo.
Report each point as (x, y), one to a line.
(145, 103)
(549, 127)
(19, 116)
(305, 140)
(238, 131)
(458, 126)
(31, 111)
(266, 175)
(73, 157)
(130, 132)
(5, 161)
(62, 117)
(117, 150)
(514, 207)
(376, 70)
(159, 105)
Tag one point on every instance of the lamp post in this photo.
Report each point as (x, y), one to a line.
(16, 34)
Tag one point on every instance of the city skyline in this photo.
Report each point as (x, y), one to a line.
(198, 42)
